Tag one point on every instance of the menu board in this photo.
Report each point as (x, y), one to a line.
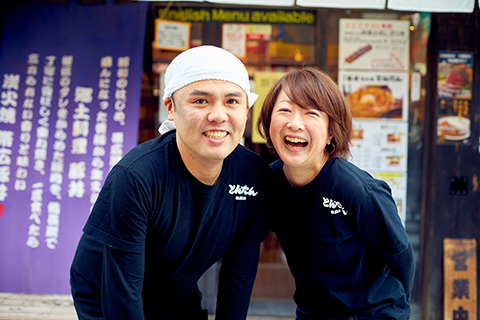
(373, 75)
(380, 146)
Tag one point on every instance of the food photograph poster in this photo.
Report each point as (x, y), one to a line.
(374, 44)
(376, 95)
(388, 139)
(454, 93)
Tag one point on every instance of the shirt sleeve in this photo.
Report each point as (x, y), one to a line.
(119, 217)
(122, 283)
(237, 275)
(403, 268)
(379, 223)
(239, 265)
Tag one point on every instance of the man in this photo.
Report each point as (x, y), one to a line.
(175, 205)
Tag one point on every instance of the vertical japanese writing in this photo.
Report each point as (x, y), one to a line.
(100, 135)
(123, 64)
(36, 199)
(40, 153)
(53, 224)
(80, 131)
(8, 111)
(23, 160)
(116, 149)
(57, 166)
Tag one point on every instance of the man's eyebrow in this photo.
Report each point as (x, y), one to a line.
(234, 94)
(198, 92)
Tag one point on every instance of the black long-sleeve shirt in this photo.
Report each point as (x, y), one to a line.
(345, 243)
(155, 229)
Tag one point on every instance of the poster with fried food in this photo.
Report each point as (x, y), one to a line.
(454, 75)
(453, 121)
(376, 95)
(373, 44)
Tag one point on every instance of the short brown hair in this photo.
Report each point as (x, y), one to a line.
(311, 88)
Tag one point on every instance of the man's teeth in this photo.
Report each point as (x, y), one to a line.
(295, 140)
(216, 134)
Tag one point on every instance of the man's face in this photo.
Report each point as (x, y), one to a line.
(210, 117)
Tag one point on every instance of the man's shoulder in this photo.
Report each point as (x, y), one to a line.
(143, 152)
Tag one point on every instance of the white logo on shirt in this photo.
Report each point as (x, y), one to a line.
(241, 192)
(336, 206)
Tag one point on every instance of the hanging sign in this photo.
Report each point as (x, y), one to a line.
(69, 106)
(172, 35)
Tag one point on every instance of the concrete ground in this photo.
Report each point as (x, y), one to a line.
(55, 307)
(60, 307)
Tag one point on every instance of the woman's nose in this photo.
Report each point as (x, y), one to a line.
(296, 122)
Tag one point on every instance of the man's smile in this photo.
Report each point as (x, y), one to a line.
(216, 134)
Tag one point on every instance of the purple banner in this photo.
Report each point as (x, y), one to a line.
(69, 104)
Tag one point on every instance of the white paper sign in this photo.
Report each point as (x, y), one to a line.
(234, 38)
(374, 44)
(380, 146)
(172, 35)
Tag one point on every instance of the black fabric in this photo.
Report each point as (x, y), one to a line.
(343, 238)
(155, 229)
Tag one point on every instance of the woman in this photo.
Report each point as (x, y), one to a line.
(338, 226)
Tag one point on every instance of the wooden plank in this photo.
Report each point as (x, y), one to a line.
(460, 279)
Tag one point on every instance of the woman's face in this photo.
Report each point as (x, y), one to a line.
(299, 135)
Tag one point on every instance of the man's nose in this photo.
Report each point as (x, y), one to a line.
(218, 112)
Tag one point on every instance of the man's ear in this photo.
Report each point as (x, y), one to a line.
(168, 102)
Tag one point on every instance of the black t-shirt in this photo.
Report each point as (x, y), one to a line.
(339, 234)
(162, 229)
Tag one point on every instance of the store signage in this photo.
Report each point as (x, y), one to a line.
(69, 107)
(238, 15)
(460, 279)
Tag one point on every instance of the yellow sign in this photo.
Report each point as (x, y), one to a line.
(460, 279)
(239, 15)
(264, 81)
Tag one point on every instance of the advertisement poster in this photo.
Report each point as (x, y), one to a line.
(454, 93)
(380, 146)
(234, 38)
(374, 44)
(453, 122)
(455, 70)
(376, 95)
